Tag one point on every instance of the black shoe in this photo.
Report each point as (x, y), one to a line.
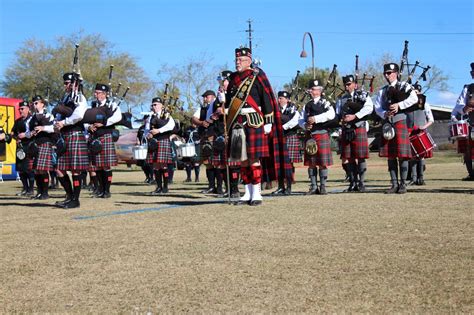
(188, 180)
(361, 188)
(71, 204)
(351, 188)
(156, 192)
(420, 182)
(287, 192)
(402, 189)
(322, 190)
(312, 191)
(106, 195)
(412, 182)
(392, 190)
(98, 194)
(63, 202)
(255, 202)
(37, 196)
(22, 193)
(468, 179)
(164, 190)
(30, 192)
(209, 191)
(279, 191)
(44, 196)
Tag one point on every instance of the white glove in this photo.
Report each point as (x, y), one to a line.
(285, 127)
(454, 119)
(267, 128)
(221, 97)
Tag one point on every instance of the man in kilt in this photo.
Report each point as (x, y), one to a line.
(75, 157)
(103, 132)
(41, 125)
(289, 118)
(353, 108)
(22, 134)
(464, 109)
(318, 144)
(418, 120)
(160, 125)
(211, 131)
(390, 104)
(254, 126)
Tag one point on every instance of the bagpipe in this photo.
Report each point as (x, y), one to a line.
(4, 131)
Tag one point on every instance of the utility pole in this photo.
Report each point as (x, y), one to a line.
(250, 33)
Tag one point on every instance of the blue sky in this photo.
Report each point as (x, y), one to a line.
(440, 33)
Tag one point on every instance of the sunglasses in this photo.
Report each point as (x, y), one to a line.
(388, 72)
(348, 83)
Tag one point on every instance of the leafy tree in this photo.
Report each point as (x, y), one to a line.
(190, 79)
(38, 66)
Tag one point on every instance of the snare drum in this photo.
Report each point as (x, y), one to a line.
(458, 130)
(422, 144)
(140, 152)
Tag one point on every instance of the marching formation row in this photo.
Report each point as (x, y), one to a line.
(242, 133)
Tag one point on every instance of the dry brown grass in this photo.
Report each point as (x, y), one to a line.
(187, 252)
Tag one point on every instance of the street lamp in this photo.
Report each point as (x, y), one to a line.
(303, 52)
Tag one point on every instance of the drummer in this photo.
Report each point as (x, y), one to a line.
(464, 110)
(422, 119)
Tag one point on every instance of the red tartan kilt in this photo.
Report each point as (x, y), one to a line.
(44, 160)
(462, 146)
(357, 148)
(324, 155)
(107, 157)
(293, 145)
(399, 146)
(257, 143)
(162, 155)
(76, 156)
(217, 159)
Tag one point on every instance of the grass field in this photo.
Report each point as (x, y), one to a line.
(186, 252)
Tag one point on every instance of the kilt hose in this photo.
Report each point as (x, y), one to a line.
(162, 154)
(76, 156)
(323, 156)
(44, 160)
(399, 146)
(107, 157)
(293, 145)
(357, 148)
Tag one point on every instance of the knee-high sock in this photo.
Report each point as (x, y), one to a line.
(361, 169)
(323, 176)
(312, 173)
(66, 183)
(45, 181)
(420, 165)
(393, 170)
(403, 164)
(107, 180)
(76, 183)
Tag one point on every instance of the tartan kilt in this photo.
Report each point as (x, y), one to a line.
(217, 158)
(24, 165)
(293, 145)
(357, 148)
(462, 146)
(256, 142)
(324, 155)
(107, 157)
(44, 160)
(399, 146)
(76, 156)
(162, 154)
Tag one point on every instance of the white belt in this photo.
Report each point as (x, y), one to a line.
(244, 111)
